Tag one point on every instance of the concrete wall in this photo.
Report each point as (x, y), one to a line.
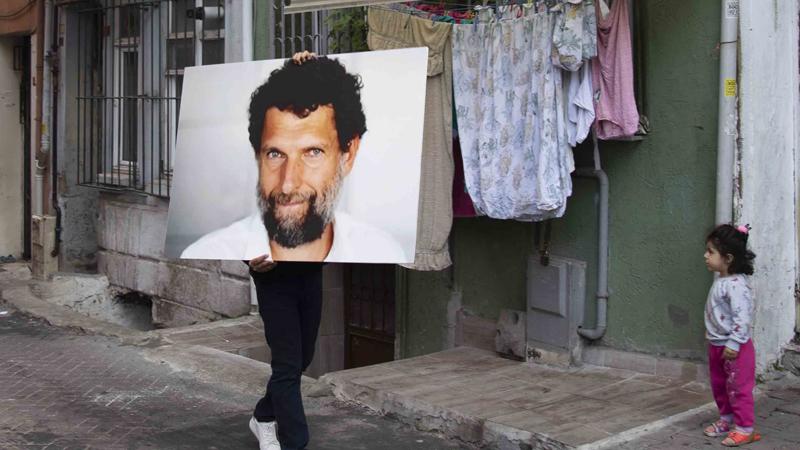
(78, 203)
(661, 206)
(329, 351)
(425, 312)
(767, 195)
(11, 154)
(131, 231)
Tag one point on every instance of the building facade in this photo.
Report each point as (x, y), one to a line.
(110, 92)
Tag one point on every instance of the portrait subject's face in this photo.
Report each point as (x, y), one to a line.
(301, 168)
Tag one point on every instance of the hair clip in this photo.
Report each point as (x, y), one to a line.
(744, 228)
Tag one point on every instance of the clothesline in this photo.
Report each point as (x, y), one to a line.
(484, 3)
(464, 12)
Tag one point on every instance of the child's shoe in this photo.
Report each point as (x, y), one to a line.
(719, 428)
(737, 438)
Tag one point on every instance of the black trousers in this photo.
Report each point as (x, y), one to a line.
(290, 304)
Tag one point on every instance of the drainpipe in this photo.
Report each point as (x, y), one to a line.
(602, 246)
(40, 159)
(46, 126)
(726, 125)
(53, 60)
(37, 209)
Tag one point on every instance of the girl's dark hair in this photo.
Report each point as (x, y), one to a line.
(730, 241)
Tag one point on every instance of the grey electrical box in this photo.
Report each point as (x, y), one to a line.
(556, 294)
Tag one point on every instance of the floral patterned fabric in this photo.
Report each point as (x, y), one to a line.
(575, 34)
(729, 311)
(510, 108)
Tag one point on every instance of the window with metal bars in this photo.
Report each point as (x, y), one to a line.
(131, 58)
(297, 32)
(322, 32)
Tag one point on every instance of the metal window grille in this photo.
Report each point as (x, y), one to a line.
(296, 32)
(322, 32)
(131, 57)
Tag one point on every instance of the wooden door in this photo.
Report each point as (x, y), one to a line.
(369, 291)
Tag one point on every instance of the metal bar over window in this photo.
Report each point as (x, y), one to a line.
(131, 58)
(131, 61)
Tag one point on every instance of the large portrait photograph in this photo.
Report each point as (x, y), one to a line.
(310, 160)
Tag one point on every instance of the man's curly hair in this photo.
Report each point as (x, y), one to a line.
(302, 89)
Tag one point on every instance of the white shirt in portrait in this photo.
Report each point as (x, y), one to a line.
(353, 241)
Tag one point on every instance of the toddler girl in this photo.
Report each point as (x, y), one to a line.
(729, 319)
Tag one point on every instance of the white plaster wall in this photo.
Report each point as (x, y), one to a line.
(11, 154)
(768, 160)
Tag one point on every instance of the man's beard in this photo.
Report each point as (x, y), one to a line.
(291, 232)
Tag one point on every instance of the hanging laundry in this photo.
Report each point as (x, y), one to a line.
(574, 34)
(511, 121)
(589, 44)
(612, 74)
(580, 104)
(389, 29)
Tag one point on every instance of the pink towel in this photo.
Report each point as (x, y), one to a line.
(612, 75)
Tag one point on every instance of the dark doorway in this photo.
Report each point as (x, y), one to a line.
(369, 291)
(15, 147)
(24, 52)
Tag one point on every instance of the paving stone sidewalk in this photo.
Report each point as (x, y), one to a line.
(777, 419)
(61, 389)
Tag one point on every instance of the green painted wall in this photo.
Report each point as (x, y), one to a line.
(663, 189)
(661, 207)
(260, 38)
(426, 312)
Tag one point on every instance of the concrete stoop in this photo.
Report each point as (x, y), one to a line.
(486, 401)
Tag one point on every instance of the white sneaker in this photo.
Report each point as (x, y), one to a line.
(265, 433)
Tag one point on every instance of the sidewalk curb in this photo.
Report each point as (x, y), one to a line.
(23, 299)
(648, 428)
(207, 364)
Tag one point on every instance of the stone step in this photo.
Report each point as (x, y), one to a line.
(482, 399)
(791, 358)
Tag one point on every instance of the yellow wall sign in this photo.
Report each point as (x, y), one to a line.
(730, 87)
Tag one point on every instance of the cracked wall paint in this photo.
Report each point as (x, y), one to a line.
(78, 204)
(768, 146)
